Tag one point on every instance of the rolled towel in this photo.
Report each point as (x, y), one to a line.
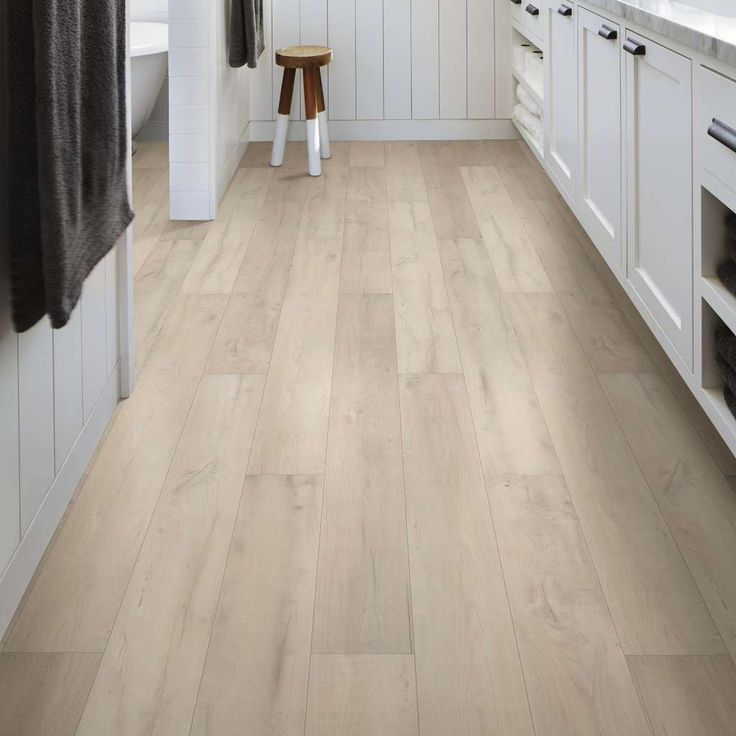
(525, 98)
(727, 371)
(730, 398)
(727, 274)
(531, 123)
(726, 344)
(731, 225)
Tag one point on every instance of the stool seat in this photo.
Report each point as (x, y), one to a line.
(304, 57)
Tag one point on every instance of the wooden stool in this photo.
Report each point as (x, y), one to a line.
(309, 59)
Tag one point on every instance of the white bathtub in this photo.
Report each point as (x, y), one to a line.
(149, 47)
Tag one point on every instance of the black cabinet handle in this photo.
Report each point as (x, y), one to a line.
(532, 9)
(516, 2)
(634, 47)
(565, 10)
(723, 134)
(610, 34)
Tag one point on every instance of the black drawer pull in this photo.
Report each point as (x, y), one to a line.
(565, 10)
(634, 47)
(723, 134)
(610, 34)
(516, 2)
(532, 9)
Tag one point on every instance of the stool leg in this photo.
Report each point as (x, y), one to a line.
(310, 107)
(282, 119)
(324, 134)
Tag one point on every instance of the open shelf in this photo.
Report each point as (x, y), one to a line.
(535, 92)
(528, 35)
(535, 147)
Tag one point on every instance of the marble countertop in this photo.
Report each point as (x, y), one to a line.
(713, 35)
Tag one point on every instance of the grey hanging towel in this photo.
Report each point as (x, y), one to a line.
(77, 194)
(246, 32)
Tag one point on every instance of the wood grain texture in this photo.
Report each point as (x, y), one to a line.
(42, 693)
(292, 426)
(687, 696)
(469, 677)
(366, 251)
(694, 497)
(363, 602)
(425, 336)
(644, 577)
(574, 668)
(512, 434)
(75, 599)
(257, 665)
(362, 695)
(150, 673)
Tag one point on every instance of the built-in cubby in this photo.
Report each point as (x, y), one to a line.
(528, 73)
(711, 378)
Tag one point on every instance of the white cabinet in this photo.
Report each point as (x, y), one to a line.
(659, 186)
(561, 95)
(600, 144)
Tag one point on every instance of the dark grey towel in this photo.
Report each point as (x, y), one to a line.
(727, 372)
(727, 274)
(726, 344)
(246, 32)
(730, 398)
(72, 200)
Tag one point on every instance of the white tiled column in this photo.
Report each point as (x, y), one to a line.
(190, 97)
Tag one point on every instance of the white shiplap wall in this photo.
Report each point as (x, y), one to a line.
(395, 62)
(58, 389)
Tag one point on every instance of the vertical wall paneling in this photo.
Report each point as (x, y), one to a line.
(35, 417)
(397, 59)
(94, 347)
(68, 405)
(342, 38)
(112, 337)
(286, 21)
(9, 475)
(369, 59)
(313, 32)
(481, 58)
(261, 78)
(425, 77)
(503, 98)
(453, 57)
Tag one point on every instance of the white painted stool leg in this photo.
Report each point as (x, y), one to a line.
(279, 140)
(324, 135)
(315, 166)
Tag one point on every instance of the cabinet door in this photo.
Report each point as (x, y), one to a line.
(600, 150)
(659, 186)
(562, 95)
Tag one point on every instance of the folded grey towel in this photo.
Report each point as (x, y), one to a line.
(727, 274)
(730, 398)
(727, 371)
(726, 344)
(731, 225)
(74, 125)
(246, 32)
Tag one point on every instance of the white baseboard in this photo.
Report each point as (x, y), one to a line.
(20, 569)
(395, 130)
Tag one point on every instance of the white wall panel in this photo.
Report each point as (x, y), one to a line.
(94, 346)
(286, 32)
(341, 35)
(35, 417)
(453, 58)
(481, 58)
(261, 78)
(425, 72)
(112, 338)
(397, 60)
(68, 406)
(369, 59)
(313, 32)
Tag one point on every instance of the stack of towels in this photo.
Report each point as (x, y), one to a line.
(727, 270)
(528, 114)
(726, 362)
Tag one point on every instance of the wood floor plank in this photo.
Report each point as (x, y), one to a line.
(512, 435)
(156, 287)
(248, 185)
(323, 219)
(574, 668)
(292, 427)
(246, 336)
(363, 603)
(42, 693)
(654, 601)
(366, 251)
(73, 604)
(404, 175)
(695, 498)
(367, 153)
(362, 695)
(366, 184)
(257, 667)
(424, 331)
(469, 678)
(151, 669)
(148, 227)
(687, 696)
(514, 258)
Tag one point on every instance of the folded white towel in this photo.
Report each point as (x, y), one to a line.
(532, 124)
(525, 98)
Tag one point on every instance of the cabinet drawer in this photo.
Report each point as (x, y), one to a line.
(517, 10)
(532, 16)
(715, 125)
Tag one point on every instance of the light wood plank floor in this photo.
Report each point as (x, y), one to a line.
(402, 459)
